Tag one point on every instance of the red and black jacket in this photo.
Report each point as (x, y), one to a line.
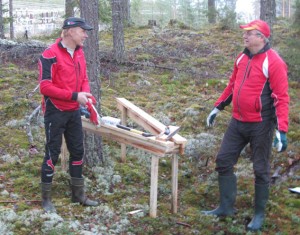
(258, 88)
(61, 77)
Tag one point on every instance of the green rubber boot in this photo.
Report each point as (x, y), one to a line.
(46, 197)
(227, 188)
(78, 193)
(261, 198)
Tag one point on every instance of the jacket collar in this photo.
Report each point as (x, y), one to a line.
(58, 41)
(264, 49)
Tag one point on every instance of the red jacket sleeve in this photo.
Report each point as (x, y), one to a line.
(279, 84)
(47, 71)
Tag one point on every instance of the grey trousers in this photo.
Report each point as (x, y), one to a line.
(237, 136)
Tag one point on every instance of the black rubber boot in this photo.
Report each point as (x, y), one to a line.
(261, 198)
(227, 188)
(46, 197)
(78, 193)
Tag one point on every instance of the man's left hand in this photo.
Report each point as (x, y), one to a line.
(280, 141)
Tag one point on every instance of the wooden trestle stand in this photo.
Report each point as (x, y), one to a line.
(158, 146)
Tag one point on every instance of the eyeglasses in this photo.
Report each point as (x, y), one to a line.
(250, 33)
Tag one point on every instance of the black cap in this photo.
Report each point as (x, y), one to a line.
(72, 22)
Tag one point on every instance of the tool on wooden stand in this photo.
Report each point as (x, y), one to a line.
(134, 130)
(91, 113)
(167, 134)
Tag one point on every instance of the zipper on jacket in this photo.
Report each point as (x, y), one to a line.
(246, 75)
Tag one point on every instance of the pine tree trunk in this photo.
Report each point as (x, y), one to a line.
(268, 12)
(89, 11)
(118, 33)
(1, 21)
(11, 16)
(211, 11)
(126, 13)
(69, 8)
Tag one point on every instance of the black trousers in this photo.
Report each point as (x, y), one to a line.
(237, 136)
(59, 123)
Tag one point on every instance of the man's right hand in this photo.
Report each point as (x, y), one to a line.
(211, 117)
(83, 97)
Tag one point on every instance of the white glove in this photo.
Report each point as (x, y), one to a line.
(211, 117)
(280, 141)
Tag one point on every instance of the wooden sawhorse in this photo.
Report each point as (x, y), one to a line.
(158, 146)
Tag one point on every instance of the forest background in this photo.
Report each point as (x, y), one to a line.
(182, 64)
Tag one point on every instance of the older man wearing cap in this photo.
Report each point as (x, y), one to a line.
(258, 91)
(64, 85)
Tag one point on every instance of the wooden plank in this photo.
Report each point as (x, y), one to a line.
(153, 187)
(145, 120)
(174, 183)
(149, 144)
(123, 122)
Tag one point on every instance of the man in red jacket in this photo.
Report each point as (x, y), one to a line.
(258, 91)
(64, 85)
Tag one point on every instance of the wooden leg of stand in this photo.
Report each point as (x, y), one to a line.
(174, 183)
(153, 189)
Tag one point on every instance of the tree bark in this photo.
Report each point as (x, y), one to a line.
(11, 16)
(69, 8)
(268, 13)
(1, 20)
(89, 11)
(211, 11)
(118, 32)
(126, 13)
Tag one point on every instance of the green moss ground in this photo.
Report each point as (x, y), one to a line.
(203, 65)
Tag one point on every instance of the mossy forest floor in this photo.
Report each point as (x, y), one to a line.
(174, 75)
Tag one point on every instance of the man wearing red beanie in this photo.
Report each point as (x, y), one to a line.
(258, 91)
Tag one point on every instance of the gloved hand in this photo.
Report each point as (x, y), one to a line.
(280, 141)
(211, 117)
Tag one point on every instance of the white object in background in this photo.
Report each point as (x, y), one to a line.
(295, 190)
(110, 121)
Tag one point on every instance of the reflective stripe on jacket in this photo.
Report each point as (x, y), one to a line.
(258, 88)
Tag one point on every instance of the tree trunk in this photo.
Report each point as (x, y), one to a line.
(230, 4)
(69, 8)
(118, 33)
(211, 11)
(296, 22)
(126, 13)
(1, 20)
(11, 16)
(174, 9)
(89, 11)
(268, 12)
